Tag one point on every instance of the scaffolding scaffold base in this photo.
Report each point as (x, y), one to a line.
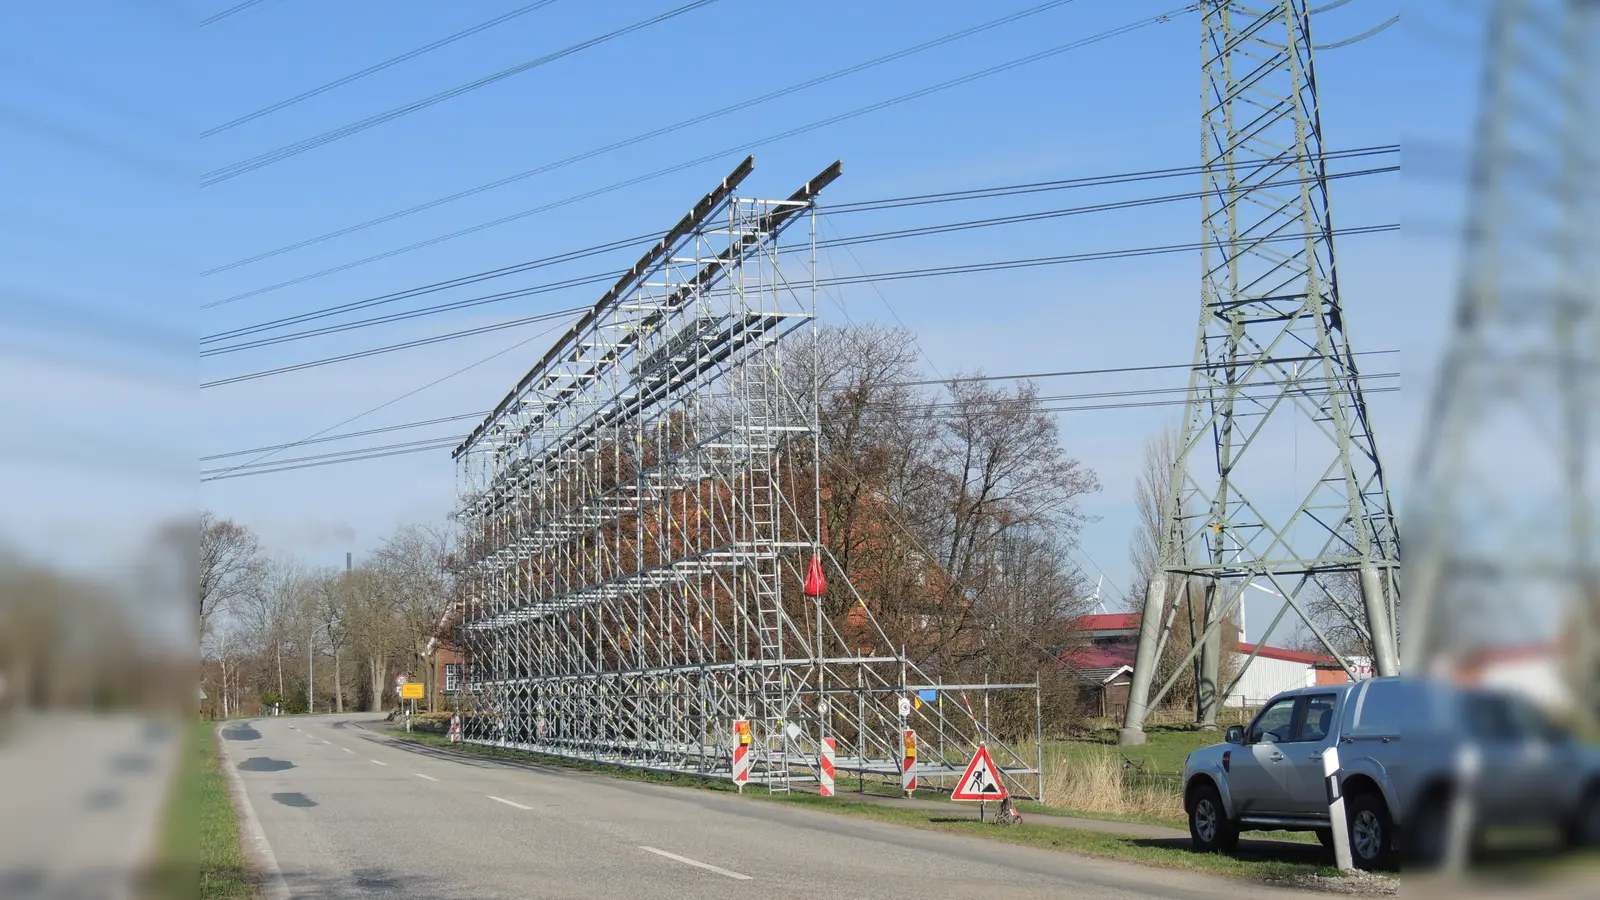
(639, 514)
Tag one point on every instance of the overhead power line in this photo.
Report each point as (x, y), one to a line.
(658, 132)
(230, 11)
(446, 442)
(377, 67)
(387, 429)
(843, 241)
(390, 348)
(926, 272)
(266, 159)
(393, 400)
(968, 268)
(1008, 190)
(960, 379)
(726, 152)
(413, 314)
(408, 293)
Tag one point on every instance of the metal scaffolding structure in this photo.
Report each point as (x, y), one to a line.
(1275, 406)
(640, 512)
(1504, 528)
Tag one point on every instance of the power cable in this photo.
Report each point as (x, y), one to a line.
(667, 129)
(841, 241)
(400, 317)
(230, 11)
(724, 153)
(1098, 180)
(446, 443)
(390, 348)
(377, 67)
(387, 429)
(1118, 370)
(388, 403)
(225, 173)
(1376, 29)
(1108, 206)
(859, 206)
(918, 410)
(513, 269)
(968, 268)
(901, 275)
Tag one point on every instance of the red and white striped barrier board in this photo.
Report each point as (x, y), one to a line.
(827, 767)
(741, 753)
(455, 729)
(908, 767)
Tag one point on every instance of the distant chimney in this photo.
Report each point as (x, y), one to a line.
(347, 561)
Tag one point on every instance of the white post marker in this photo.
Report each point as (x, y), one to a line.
(1459, 825)
(825, 767)
(1336, 817)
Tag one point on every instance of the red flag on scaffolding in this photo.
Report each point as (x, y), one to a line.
(815, 583)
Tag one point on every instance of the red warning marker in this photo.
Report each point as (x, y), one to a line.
(815, 583)
(981, 780)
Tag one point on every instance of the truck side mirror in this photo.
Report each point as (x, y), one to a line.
(1234, 734)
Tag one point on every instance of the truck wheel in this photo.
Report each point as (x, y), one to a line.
(1427, 831)
(1583, 829)
(1371, 831)
(1210, 830)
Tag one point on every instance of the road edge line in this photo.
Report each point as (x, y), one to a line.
(256, 847)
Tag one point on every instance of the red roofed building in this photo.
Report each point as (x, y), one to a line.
(1105, 665)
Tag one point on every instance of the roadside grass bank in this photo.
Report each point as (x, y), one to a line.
(199, 854)
(1302, 865)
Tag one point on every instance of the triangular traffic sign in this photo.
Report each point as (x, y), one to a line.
(981, 780)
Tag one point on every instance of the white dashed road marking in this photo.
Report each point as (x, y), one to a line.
(376, 763)
(697, 864)
(429, 777)
(508, 802)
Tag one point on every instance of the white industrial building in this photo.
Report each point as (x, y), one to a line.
(1275, 670)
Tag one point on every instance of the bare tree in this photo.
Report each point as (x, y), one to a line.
(1185, 596)
(270, 612)
(230, 566)
(1149, 495)
(414, 567)
(331, 604)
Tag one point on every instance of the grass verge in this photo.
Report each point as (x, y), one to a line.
(1272, 863)
(199, 854)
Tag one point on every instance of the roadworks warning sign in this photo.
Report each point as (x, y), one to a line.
(981, 780)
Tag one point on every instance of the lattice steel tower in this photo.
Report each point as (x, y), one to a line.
(1503, 538)
(1278, 477)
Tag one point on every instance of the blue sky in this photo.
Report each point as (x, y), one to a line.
(118, 91)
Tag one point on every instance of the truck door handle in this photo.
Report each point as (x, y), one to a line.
(1276, 756)
(1315, 756)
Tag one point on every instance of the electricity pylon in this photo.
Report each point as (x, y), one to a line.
(1277, 477)
(1502, 529)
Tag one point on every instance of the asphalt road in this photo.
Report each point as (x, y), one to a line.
(348, 812)
(83, 800)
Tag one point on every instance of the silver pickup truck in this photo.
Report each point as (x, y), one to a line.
(1407, 749)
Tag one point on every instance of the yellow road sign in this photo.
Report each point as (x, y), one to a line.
(411, 690)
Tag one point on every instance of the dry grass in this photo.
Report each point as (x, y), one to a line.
(1095, 780)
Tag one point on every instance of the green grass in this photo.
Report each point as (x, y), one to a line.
(1281, 865)
(1162, 755)
(1270, 867)
(199, 855)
